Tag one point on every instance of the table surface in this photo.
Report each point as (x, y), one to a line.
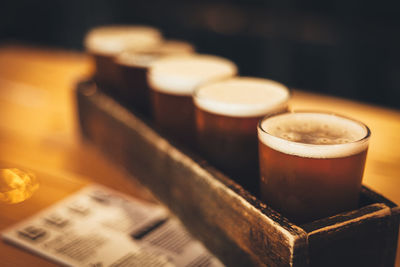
(39, 132)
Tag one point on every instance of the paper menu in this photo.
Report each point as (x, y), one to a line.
(99, 227)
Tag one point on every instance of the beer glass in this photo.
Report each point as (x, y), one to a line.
(105, 42)
(133, 65)
(311, 163)
(227, 113)
(172, 81)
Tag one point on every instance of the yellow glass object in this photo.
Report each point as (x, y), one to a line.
(16, 185)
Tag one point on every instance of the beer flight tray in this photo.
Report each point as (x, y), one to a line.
(232, 223)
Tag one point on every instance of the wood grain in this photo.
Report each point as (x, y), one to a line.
(38, 130)
(230, 221)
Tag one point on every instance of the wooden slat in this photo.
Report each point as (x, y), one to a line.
(361, 241)
(40, 131)
(225, 216)
(206, 202)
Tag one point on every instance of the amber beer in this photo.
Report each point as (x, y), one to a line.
(104, 43)
(227, 114)
(133, 65)
(172, 81)
(311, 164)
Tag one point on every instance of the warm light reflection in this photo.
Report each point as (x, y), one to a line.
(16, 185)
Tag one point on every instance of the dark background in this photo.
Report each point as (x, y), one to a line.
(345, 48)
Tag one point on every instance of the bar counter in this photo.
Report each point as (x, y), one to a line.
(39, 132)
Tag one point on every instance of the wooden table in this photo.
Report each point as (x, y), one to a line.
(38, 131)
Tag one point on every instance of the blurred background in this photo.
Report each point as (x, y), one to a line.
(344, 48)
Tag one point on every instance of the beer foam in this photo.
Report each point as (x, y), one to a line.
(314, 135)
(143, 57)
(111, 40)
(175, 47)
(242, 97)
(181, 74)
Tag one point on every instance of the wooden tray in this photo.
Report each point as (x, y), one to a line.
(232, 223)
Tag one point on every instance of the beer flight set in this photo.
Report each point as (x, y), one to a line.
(307, 165)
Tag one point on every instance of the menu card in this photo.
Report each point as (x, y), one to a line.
(99, 227)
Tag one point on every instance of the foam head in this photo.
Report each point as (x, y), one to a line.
(242, 97)
(144, 56)
(314, 135)
(175, 47)
(111, 40)
(180, 75)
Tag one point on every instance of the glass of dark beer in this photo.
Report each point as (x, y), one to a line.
(311, 163)
(105, 42)
(227, 113)
(133, 65)
(172, 81)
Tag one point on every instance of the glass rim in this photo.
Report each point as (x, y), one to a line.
(361, 140)
(188, 83)
(273, 109)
